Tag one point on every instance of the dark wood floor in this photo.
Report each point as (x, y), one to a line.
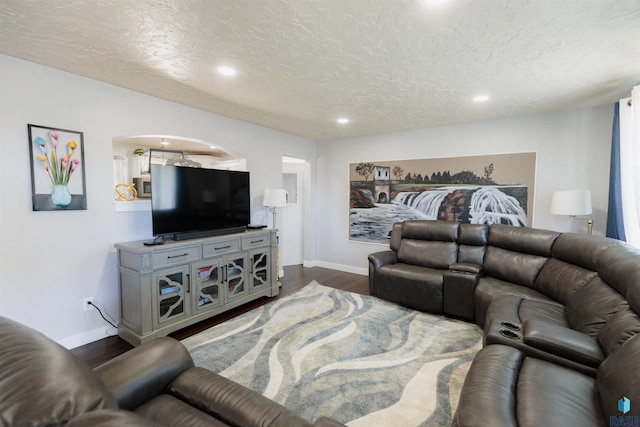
(295, 277)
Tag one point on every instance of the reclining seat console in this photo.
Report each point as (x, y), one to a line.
(461, 279)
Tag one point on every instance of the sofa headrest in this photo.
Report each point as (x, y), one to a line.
(581, 249)
(43, 383)
(396, 236)
(522, 239)
(619, 266)
(444, 231)
(473, 234)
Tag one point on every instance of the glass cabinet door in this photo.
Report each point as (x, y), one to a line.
(207, 285)
(235, 277)
(170, 291)
(260, 264)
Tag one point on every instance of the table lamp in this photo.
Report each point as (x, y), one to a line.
(573, 203)
(274, 198)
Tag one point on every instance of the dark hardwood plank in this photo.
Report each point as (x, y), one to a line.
(295, 278)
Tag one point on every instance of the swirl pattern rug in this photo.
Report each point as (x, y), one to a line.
(358, 359)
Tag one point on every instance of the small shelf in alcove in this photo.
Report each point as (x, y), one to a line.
(133, 206)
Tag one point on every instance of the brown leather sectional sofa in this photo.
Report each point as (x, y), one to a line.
(559, 312)
(156, 384)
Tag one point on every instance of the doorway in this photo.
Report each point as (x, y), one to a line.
(295, 174)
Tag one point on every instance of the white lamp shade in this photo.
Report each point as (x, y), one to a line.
(275, 197)
(574, 202)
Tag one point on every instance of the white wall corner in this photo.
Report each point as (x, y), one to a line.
(88, 337)
(340, 267)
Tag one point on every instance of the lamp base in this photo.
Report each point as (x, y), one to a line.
(273, 212)
(589, 223)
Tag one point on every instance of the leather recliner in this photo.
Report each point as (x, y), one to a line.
(156, 384)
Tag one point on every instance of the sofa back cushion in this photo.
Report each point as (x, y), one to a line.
(429, 243)
(43, 383)
(581, 249)
(560, 280)
(472, 242)
(618, 377)
(522, 239)
(592, 306)
(426, 253)
(618, 329)
(517, 254)
(514, 267)
(619, 268)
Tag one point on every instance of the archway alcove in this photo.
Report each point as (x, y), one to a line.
(132, 156)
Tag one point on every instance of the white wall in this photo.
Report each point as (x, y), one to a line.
(50, 261)
(573, 153)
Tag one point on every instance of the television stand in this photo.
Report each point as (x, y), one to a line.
(166, 288)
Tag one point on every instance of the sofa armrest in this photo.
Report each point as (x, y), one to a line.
(144, 372)
(564, 342)
(464, 267)
(110, 418)
(230, 402)
(380, 259)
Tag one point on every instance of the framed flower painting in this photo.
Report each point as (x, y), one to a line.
(57, 169)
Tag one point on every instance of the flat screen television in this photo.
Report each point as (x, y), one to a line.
(191, 202)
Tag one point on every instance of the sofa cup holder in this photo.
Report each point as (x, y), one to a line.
(510, 325)
(507, 333)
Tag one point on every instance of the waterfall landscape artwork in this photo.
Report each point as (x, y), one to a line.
(491, 189)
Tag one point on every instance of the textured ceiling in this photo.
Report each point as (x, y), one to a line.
(387, 65)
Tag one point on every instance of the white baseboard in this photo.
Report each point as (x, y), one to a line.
(103, 332)
(87, 337)
(339, 267)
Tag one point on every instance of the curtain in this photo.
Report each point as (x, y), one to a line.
(615, 223)
(629, 162)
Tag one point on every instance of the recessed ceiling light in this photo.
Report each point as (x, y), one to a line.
(213, 147)
(481, 98)
(433, 2)
(226, 70)
(164, 143)
(343, 120)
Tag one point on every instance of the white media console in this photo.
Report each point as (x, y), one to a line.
(167, 287)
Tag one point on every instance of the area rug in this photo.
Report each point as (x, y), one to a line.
(358, 359)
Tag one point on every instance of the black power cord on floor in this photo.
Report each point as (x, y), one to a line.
(102, 315)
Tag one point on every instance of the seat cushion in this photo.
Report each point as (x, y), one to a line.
(419, 288)
(504, 387)
(552, 395)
